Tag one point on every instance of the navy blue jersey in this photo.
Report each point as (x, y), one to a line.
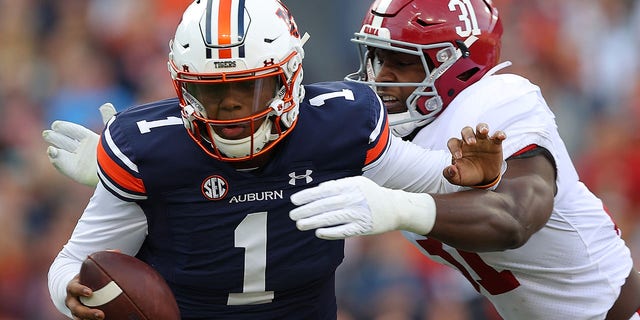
(222, 238)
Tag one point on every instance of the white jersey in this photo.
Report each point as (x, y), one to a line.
(574, 266)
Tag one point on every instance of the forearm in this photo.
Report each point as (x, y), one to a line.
(107, 223)
(62, 270)
(479, 220)
(476, 220)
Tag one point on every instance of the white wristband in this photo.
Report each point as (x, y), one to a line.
(416, 211)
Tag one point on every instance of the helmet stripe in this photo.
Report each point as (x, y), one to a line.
(229, 28)
(224, 28)
(241, 27)
(208, 31)
(382, 8)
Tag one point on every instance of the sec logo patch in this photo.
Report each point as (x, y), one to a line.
(215, 187)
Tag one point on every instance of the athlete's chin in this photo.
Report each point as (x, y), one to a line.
(234, 133)
(395, 107)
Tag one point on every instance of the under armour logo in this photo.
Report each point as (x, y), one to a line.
(268, 63)
(307, 177)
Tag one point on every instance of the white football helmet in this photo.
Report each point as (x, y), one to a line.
(221, 46)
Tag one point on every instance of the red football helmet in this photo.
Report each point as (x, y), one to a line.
(458, 41)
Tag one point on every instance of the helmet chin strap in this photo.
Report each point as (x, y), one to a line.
(238, 148)
(404, 123)
(401, 124)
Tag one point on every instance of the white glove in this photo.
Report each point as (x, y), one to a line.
(357, 206)
(73, 148)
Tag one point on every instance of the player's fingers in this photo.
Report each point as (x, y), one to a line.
(482, 130)
(57, 156)
(61, 159)
(75, 290)
(498, 136)
(70, 129)
(52, 153)
(319, 206)
(455, 147)
(338, 232)
(79, 311)
(308, 195)
(84, 313)
(325, 219)
(452, 174)
(324, 190)
(468, 135)
(107, 111)
(60, 140)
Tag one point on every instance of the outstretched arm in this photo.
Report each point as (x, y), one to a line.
(506, 218)
(410, 167)
(358, 206)
(474, 220)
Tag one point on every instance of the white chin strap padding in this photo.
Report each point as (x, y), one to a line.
(239, 148)
(401, 124)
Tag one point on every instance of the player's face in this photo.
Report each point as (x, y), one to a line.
(236, 100)
(390, 66)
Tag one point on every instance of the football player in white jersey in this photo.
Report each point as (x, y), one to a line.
(208, 206)
(541, 246)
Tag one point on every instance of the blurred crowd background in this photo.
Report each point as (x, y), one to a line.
(63, 59)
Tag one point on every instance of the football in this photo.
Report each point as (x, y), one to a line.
(125, 287)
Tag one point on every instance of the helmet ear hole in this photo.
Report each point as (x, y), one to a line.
(468, 74)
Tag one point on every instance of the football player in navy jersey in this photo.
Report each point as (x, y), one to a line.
(542, 246)
(208, 207)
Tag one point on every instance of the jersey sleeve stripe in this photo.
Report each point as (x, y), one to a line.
(116, 173)
(381, 121)
(114, 148)
(122, 194)
(525, 150)
(379, 148)
(380, 135)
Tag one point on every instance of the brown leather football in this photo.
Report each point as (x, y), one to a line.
(126, 288)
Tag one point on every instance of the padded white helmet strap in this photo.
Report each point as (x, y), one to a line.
(239, 148)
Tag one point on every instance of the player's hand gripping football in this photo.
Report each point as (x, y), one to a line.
(72, 148)
(75, 290)
(356, 206)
